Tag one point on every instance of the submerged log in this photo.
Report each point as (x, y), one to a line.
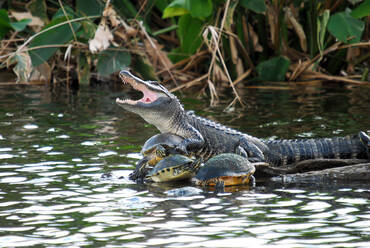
(311, 165)
(317, 171)
(354, 173)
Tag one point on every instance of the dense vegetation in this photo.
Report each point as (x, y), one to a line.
(189, 42)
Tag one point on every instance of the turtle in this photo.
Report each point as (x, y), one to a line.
(154, 149)
(174, 168)
(226, 169)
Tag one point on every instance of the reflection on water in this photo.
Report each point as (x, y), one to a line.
(55, 147)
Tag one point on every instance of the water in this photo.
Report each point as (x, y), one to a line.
(55, 145)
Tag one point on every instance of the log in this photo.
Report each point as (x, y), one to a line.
(353, 173)
(265, 170)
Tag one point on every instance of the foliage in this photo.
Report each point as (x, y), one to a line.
(273, 69)
(182, 40)
(345, 27)
(6, 25)
(56, 35)
(112, 61)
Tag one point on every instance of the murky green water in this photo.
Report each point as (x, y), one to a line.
(55, 147)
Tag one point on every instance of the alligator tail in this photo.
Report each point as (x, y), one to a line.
(283, 152)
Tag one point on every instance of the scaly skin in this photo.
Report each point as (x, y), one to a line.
(285, 152)
(205, 138)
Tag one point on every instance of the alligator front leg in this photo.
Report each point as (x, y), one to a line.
(249, 150)
(193, 139)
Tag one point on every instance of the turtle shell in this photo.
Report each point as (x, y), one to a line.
(173, 168)
(164, 139)
(228, 167)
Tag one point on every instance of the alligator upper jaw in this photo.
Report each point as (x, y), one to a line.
(149, 96)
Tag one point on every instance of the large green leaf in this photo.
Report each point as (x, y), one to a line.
(189, 32)
(343, 26)
(197, 8)
(200, 8)
(55, 36)
(257, 6)
(273, 69)
(112, 61)
(362, 10)
(67, 10)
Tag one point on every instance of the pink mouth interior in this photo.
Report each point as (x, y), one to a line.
(148, 95)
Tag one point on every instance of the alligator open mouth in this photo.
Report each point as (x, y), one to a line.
(149, 96)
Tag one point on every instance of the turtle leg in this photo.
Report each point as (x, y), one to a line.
(252, 181)
(106, 175)
(365, 140)
(139, 173)
(220, 187)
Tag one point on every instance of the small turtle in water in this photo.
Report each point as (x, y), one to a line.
(174, 168)
(154, 150)
(226, 170)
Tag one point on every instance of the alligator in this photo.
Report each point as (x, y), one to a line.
(205, 138)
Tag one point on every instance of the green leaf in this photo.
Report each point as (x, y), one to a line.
(362, 10)
(189, 32)
(56, 36)
(19, 26)
(321, 29)
(160, 4)
(200, 8)
(4, 23)
(176, 8)
(89, 7)
(4, 18)
(83, 71)
(125, 8)
(197, 8)
(87, 31)
(273, 69)
(68, 10)
(112, 61)
(257, 6)
(343, 26)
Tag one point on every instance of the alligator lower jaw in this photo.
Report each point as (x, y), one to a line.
(148, 95)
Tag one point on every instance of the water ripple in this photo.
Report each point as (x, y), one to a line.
(52, 193)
